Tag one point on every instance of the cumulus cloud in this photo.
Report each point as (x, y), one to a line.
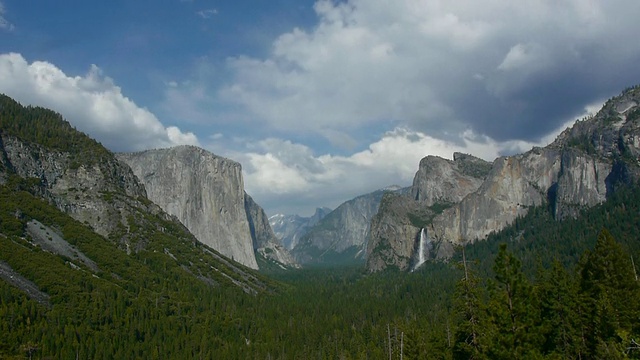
(507, 70)
(288, 177)
(92, 103)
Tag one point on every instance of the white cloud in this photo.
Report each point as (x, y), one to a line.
(4, 23)
(286, 177)
(497, 67)
(207, 13)
(92, 103)
(524, 57)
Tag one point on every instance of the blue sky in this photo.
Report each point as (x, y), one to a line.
(320, 101)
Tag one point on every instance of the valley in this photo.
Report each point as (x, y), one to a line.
(162, 253)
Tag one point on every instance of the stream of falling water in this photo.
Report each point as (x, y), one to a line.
(423, 240)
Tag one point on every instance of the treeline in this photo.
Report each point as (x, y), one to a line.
(47, 128)
(592, 313)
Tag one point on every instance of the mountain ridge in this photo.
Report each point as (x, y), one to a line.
(580, 169)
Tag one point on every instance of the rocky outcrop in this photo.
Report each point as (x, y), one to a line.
(579, 170)
(98, 192)
(291, 228)
(441, 181)
(205, 192)
(264, 240)
(514, 184)
(45, 158)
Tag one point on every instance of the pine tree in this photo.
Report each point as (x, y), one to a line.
(610, 296)
(512, 311)
(468, 308)
(560, 314)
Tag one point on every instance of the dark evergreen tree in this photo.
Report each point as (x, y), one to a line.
(469, 340)
(610, 293)
(560, 314)
(512, 312)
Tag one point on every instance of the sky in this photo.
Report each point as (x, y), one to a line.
(320, 101)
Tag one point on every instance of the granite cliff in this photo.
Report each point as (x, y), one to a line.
(265, 242)
(341, 236)
(457, 205)
(438, 184)
(205, 192)
(66, 197)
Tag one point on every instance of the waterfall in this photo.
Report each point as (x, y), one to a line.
(424, 241)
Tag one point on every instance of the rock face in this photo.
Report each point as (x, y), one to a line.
(458, 205)
(205, 192)
(441, 181)
(264, 240)
(341, 236)
(98, 193)
(42, 155)
(291, 228)
(393, 221)
(438, 184)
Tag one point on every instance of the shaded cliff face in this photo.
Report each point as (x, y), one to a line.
(341, 236)
(393, 221)
(291, 228)
(580, 169)
(264, 240)
(205, 192)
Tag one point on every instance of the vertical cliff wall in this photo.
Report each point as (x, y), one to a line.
(205, 192)
(461, 204)
(264, 240)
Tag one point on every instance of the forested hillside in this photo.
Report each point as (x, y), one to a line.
(146, 305)
(48, 129)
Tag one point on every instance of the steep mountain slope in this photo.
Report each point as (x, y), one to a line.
(341, 236)
(265, 242)
(72, 171)
(205, 192)
(442, 181)
(91, 268)
(290, 228)
(44, 157)
(579, 170)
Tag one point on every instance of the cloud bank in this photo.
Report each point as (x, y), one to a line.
(92, 103)
(507, 70)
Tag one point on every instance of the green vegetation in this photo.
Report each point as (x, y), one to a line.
(48, 129)
(149, 305)
(583, 143)
(135, 306)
